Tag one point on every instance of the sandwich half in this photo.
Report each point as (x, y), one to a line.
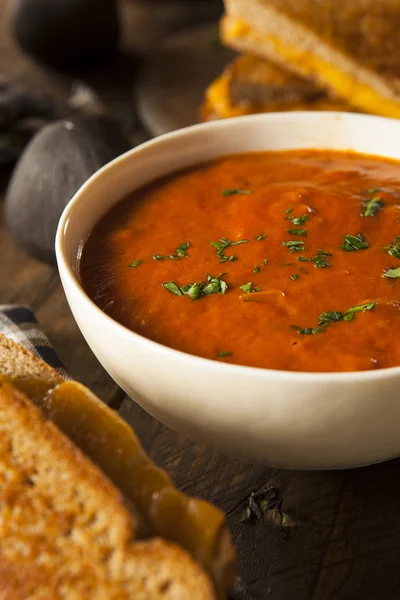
(84, 513)
(352, 49)
(251, 84)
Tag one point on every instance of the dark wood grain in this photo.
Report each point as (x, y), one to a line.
(344, 543)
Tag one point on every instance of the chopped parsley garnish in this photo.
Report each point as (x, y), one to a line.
(371, 206)
(327, 318)
(308, 330)
(294, 246)
(264, 262)
(221, 246)
(353, 243)
(248, 288)
(294, 277)
(235, 192)
(135, 264)
(261, 237)
(256, 269)
(212, 285)
(180, 252)
(172, 287)
(194, 292)
(349, 315)
(319, 260)
(330, 317)
(374, 191)
(394, 248)
(224, 353)
(321, 263)
(166, 257)
(295, 220)
(392, 273)
(300, 232)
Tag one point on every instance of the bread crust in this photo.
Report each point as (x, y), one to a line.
(112, 445)
(252, 85)
(65, 531)
(364, 29)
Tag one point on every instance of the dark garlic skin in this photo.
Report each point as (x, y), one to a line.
(54, 165)
(67, 34)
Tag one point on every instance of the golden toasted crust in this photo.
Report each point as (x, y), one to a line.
(65, 531)
(30, 372)
(254, 85)
(364, 29)
(112, 445)
(301, 41)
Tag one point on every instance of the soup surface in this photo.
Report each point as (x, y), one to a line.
(286, 260)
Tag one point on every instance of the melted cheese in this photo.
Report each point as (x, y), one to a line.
(358, 94)
(218, 98)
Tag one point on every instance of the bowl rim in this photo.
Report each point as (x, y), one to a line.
(227, 369)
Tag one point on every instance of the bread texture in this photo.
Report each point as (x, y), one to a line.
(156, 506)
(31, 374)
(350, 48)
(251, 84)
(65, 531)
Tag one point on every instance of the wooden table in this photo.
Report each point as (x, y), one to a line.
(343, 536)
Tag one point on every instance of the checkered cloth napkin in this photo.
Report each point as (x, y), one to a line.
(19, 324)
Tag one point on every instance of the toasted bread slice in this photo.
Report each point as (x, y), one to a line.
(254, 85)
(65, 532)
(349, 48)
(112, 445)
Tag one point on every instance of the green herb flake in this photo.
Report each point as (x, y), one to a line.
(294, 277)
(392, 273)
(371, 206)
(181, 250)
(323, 253)
(296, 231)
(173, 288)
(166, 257)
(308, 330)
(236, 192)
(353, 243)
(261, 237)
(256, 269)
(320, 262)
(303, 259)
(195, 291)
(264, 262)
(327, 318)
(187, 287)
(224, 353)
(247, 287)
(212, 285)
(221, 245)
(294, 246)
(295, 220)
(374, 191)
(349, 314)
(238, 242)
(394, 248)
(135, 264)
(330, 317)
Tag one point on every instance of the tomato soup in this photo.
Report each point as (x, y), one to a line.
(285, 260)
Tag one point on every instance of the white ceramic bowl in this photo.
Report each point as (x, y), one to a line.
(285, 419)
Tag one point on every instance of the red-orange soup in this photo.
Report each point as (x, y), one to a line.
(318, 236)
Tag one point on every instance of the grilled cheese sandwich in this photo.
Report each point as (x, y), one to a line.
(350, 50)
